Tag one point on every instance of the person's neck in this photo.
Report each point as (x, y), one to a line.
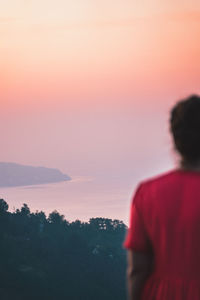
(188, 166)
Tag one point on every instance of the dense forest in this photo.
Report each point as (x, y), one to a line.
(50, 258)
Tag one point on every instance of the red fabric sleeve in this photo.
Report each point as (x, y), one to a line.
(136, 236)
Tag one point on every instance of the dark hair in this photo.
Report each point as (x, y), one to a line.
(185, 128)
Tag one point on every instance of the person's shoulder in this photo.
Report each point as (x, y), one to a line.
(156, 179)
(155, 186)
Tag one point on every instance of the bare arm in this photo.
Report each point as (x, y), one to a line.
(139, 267)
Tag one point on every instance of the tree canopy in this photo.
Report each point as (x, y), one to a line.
(51, 258)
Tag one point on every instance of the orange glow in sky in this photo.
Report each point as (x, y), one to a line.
(77, 49)
(72, 69)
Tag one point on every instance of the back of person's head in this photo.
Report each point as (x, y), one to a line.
(185, 129)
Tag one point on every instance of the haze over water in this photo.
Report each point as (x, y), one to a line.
(81, 198)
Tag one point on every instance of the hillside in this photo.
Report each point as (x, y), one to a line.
(12, 174)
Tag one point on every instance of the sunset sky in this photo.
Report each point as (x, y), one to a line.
(86, 86)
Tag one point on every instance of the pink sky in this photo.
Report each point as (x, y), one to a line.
(86, 86)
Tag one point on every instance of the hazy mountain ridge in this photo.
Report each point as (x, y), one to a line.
(13, 174)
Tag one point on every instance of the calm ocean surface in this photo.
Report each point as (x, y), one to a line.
(81, 198)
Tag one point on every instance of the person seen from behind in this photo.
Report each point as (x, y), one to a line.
(163, 237)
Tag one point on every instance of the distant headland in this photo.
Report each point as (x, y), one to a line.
(13, 174)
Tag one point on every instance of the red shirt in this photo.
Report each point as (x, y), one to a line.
(165, 219)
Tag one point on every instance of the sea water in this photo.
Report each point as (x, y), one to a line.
(81, 198)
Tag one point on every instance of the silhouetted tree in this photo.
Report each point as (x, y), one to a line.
(55, 218)
(3, 206)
